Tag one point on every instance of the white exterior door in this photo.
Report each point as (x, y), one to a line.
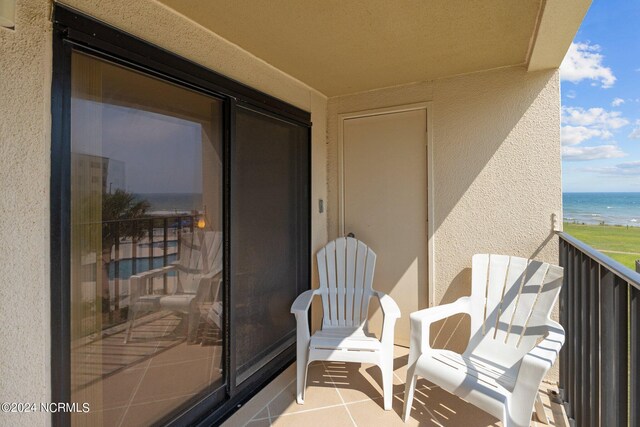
(384, 161)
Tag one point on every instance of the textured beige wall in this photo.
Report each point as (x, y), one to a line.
(496, 169)
(25, 82)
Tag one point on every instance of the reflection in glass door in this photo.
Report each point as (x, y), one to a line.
(146, 245)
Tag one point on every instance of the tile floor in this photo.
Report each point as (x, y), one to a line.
(341, 394)
(137, 383)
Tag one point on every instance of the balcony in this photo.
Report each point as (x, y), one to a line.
(599, 378)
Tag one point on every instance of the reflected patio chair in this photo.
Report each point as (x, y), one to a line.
(198, 276)
(513, 340)
(346, 268)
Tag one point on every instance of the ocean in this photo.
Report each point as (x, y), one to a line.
(596, 208)
(168, 203)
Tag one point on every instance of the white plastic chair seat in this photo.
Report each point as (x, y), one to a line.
(149, 302)
(478, 383)
(180, 303)
(345, 339)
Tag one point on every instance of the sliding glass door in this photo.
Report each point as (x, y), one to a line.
(180, 232)
(269, 232)
(146, 244)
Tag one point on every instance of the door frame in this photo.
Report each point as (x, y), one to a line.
(428, 107)
(74, 31)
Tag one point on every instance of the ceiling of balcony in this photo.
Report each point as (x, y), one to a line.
(340, 47)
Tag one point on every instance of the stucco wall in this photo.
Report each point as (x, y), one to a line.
(25, 91)
(496, 170)
(25, 82)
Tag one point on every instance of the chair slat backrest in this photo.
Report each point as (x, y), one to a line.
(345, 267)
(200, 254)
(512, 298)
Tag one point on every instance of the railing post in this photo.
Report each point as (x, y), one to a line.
(563, 320)
(577, 339)
(608, 383)
(594, 343)
(569, 342)
(116, 268)
(634, 372)
(134, 248)
(614, 350)
(150, 254)
(621, 313)
(583, 373)
(164, 253)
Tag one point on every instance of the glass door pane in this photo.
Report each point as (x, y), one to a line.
(269, 235)
(146, 245)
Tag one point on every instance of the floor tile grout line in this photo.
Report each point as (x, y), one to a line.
(269, 415)
(145, 402)
(135, 391)
(331, 406)
(303, 411)
(269, 403)
(339, 395)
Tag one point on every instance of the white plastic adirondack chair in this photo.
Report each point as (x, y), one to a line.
(346, 268)
(505, 361)
(198, 267)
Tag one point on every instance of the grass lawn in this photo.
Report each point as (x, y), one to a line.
(607, 238)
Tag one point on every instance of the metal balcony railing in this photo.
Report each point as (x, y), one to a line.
(600, 361)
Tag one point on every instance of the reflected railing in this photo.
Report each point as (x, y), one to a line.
(135, 245)
(600, 362)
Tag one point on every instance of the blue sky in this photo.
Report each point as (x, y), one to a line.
(600, 92)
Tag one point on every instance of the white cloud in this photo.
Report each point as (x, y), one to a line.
(576, 154)
(571, 94)
(625, 169)
(584, 62)
(574, 135)
(580, 125)
(635, 133)
(598, 118)
(617, 102)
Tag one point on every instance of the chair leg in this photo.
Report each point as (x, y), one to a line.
(387, 384)
(539, 410)
(301, 382)
(127, 335)
(409, 388)
(193, 321)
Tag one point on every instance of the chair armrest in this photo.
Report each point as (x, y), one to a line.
(391, 313)
(300, 308)
(212, 274)
(535, 365)
(303, 302)
(388, 305)
(155, 273)
(140, 280)
(422, 320)
(542, 357)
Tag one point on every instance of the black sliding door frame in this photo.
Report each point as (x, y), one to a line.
(74, 31)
